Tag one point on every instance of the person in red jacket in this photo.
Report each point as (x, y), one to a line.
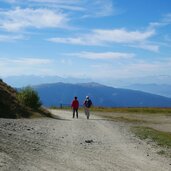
(75, 106)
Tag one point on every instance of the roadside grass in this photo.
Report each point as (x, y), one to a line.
(120, 118)
(60, 108)
(160, 138)
(140, 110)
(132, 115)
(40, 113)
(127, 119)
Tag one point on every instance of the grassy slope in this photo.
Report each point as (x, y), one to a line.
(166, 111)
(10, 107)
(162, 139)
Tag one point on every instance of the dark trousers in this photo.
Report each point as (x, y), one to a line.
(75, 111)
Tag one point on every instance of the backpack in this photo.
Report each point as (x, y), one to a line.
(88, 103)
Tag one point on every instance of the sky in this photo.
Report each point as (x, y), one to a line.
(97, 39)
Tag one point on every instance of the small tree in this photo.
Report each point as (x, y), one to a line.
(29, 97)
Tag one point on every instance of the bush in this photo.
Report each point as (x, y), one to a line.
(29, 97)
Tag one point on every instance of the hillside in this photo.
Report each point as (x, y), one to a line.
(9, 105)
(63, 93)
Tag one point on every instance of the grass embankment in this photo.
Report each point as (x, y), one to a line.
(132, 115)
(41, 112)
(145, 110)
(162, 139)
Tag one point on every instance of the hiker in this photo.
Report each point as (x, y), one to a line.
(87, 105)
(75, 106)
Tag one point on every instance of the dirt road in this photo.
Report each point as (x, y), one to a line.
(68, 144)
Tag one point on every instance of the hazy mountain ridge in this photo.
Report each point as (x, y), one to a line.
(160, 89)
(63, 93)
(26, 80)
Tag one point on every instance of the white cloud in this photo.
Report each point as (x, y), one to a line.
(167, 38)
(10, 38)
(40, 1)
(101, 37)
(47, 1)
(11, 1)
(166, 20)
(26, 66)
(95, 8)
(147, 46)
(89, 8)
(25, 61)
(133, 68)
(122, 35)
(76, 41)
(104, 55)
(99, 8)
(18, 19)
(66, 62)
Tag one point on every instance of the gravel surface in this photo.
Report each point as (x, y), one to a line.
(69, 144)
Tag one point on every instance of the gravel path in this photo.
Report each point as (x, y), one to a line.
(68, 144)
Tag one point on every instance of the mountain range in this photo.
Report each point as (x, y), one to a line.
(26, 80)
(160, 89)
(63, 93)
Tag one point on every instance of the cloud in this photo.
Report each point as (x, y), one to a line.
(166, 20)
(104, 55)
(95, 8)
(167, 38)
(89, 8)
(26, 66)
(123, 36)
(10, 38)
(133, 68)
(99, 8)
(73, 5)
(29, 1)
(18, 19)
(101, 37)
(66, 62)
(147, 46)
(45, 1)
(25, 61)
(11, 1)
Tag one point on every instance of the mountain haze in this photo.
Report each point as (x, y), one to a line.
(29, 80)
(101, 95)
(25, 80)
(160, 89)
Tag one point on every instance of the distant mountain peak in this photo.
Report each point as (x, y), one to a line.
(91, 84)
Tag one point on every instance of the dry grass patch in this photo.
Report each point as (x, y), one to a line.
(162, 139)
(145, 110)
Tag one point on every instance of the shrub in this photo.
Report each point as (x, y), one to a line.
(29, 97)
